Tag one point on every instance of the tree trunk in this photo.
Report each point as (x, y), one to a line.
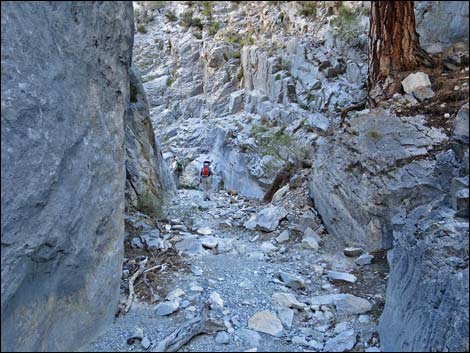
(393, 47)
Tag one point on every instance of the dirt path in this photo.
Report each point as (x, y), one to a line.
(243, 269)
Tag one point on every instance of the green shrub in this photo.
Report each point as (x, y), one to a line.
(141, 29)
(170, 15)
(133, 92)
(207, 9)
(213, 28)
(169, 81)
(308, 8)
(375, 135)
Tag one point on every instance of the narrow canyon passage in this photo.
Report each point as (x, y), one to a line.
(287, 290)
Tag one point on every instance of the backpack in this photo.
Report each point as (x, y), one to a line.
(206, 171)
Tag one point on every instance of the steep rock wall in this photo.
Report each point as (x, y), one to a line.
(148, 179)
(65, 90)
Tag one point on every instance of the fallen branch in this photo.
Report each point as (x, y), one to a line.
(182, 335)
(281, 179)
(152, 268)
(130, 299)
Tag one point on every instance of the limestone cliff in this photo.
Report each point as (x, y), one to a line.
(65, 91)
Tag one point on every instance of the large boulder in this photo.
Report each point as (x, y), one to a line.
(365, 174)
(65, 90)
(148, 179)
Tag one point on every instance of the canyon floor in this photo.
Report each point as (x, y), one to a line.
(271, 295)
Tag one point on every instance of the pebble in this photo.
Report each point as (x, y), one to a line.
(222, 337)
(216, 301)
(167, 308)
(145, 343)
(284, 236)
(342, 276)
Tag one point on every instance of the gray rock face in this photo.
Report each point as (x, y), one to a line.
(362, 176)
(440, 21)
(148, 179)
(427, 302)
(426, 307)
(65, 90)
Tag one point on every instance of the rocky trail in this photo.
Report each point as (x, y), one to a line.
(290, 289)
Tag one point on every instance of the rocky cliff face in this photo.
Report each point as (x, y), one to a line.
(427, 294)
(441, 21)
(65, 90)
(148, 179)
(243, 85)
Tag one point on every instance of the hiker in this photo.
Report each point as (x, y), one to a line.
(177, 168)
(206, 179)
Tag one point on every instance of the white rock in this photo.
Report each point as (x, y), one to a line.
(342, 326)
(284, 236)
(287, 300)
(196, 289)
(222, 338)
(415, 80)
(342, 276)
(266, 322)
(372, 349)
(145, 343)
(175, 294)
(345, 341)
(346, 304)
(267, 247)
(204, 231)
(167, 308)
(364, 319)
(267, 220)
(249, 337)
(209, 242)
(278, 195)
(309, 243)
(292, 281)
(364, 259)
(216, 300)
(286, 316)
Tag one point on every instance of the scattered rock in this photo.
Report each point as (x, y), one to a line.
(346, 304)
(267, 220)
(364, 259)
(167, 308)
(222, 337)
(342, 276)
(287, 300)
(266, 322)
(209, 242)
(175, 294)
(415, 80)
(310, 233)
(423, 93)
(284, 236)
(309, 243)
(145, 343)
(278, 195)
(291, 281)
(267, 247)
(353, 252)
(204, 231)
(345, 341)
(216, 300)
(249, 337)
(364, 319)
(286, 316)
(138, 335)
